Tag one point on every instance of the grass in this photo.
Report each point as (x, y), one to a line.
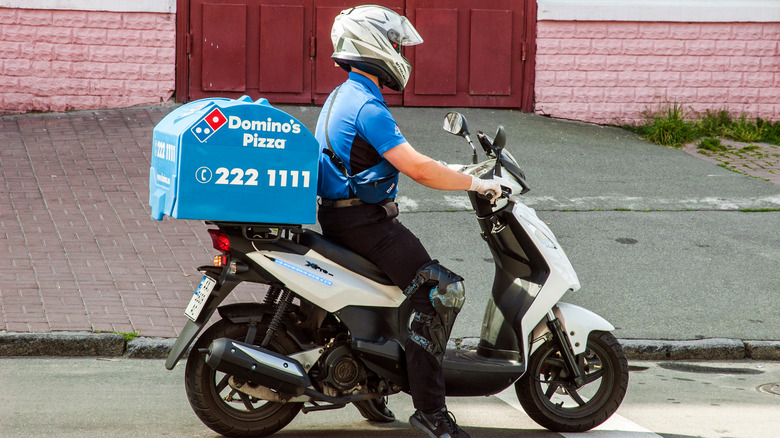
(668, 127)
(129, 336)
(673, 126)
(711, 144)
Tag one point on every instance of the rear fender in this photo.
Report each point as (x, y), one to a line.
(577, 322)
(182, 344)
(239, 313)
(191, 330)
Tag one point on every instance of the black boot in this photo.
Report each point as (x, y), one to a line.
(441, 424)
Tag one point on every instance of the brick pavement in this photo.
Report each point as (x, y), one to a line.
(80, 251)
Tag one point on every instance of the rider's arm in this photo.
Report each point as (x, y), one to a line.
(376, 125)
(425, 170)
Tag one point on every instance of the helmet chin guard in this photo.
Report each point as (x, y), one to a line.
(369, 38)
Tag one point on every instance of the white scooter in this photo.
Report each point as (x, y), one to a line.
(332, 328)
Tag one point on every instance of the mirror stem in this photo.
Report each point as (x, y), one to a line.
(473, 148)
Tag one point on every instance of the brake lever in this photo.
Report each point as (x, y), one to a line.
(486, 142)
(490, 196)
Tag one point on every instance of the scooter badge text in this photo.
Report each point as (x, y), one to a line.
(317, 268)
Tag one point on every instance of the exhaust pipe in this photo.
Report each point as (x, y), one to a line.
(258, 365)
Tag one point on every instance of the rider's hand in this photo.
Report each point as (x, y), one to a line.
(485, 186)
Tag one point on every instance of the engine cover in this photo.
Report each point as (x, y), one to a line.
(341, 370)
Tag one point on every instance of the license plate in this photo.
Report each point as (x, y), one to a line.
(199, 299)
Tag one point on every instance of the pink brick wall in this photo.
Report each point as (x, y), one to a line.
(612, 72)
(70, 60)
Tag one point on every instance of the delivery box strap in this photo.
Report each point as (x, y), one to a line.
(330, 152)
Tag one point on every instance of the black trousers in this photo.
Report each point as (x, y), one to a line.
(373, 231)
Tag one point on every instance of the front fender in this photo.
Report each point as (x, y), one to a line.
(577, 323)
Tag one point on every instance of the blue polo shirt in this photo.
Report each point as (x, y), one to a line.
(360, 129)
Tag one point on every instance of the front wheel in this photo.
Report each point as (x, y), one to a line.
(548, 395)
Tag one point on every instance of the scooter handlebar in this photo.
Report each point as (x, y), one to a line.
(491, 195)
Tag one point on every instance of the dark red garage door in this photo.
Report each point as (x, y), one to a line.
(326, 75)
(476, 53)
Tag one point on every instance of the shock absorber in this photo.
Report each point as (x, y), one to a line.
(272, 295)
(270, 299)
(554, 324)
(281, 309)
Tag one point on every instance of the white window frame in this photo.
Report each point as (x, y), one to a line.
(767, 11)
(159, 6)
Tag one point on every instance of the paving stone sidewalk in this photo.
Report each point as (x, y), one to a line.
(80, 250)
(759, 160)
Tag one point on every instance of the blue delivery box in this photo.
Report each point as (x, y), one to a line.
(228, 160)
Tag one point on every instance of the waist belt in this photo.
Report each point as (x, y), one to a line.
(349, 202)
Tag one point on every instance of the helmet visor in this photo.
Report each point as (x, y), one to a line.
(404, 34)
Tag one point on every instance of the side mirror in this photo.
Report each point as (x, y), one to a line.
(455, 123)
(500, 140)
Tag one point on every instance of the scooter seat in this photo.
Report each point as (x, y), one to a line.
(343, 256)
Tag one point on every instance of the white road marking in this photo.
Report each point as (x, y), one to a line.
(641, 203)
(458, 203)
(615, 427)
(406, 203)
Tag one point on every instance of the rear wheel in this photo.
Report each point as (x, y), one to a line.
(549, 397)
(220, 407)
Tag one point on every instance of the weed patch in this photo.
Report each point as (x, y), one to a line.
(740, 144)
(672, 126)
(669, 127)
(711, 144)
(129, 336)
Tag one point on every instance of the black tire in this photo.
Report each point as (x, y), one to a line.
(549, 399)
(207, 389)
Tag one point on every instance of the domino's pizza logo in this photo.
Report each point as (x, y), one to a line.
(208, 125)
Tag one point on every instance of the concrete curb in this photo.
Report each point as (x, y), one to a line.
(701, 349)
(149, 348)
(66, 344)
(61, 344)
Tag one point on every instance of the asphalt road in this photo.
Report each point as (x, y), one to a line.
(89, 398)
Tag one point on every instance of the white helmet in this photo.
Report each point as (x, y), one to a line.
(369, 38)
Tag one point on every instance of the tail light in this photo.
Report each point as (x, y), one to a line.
(220, 241)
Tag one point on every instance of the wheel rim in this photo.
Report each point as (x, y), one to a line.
(232, 403)
(237, 404)
(557, 392)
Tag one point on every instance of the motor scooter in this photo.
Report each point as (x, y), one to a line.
(332, 328)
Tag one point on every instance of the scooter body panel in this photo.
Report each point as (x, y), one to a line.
(530, 278)
(378, 338)
(469, 374)
(325, 283)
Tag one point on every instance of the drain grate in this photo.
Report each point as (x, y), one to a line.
(770, 388)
